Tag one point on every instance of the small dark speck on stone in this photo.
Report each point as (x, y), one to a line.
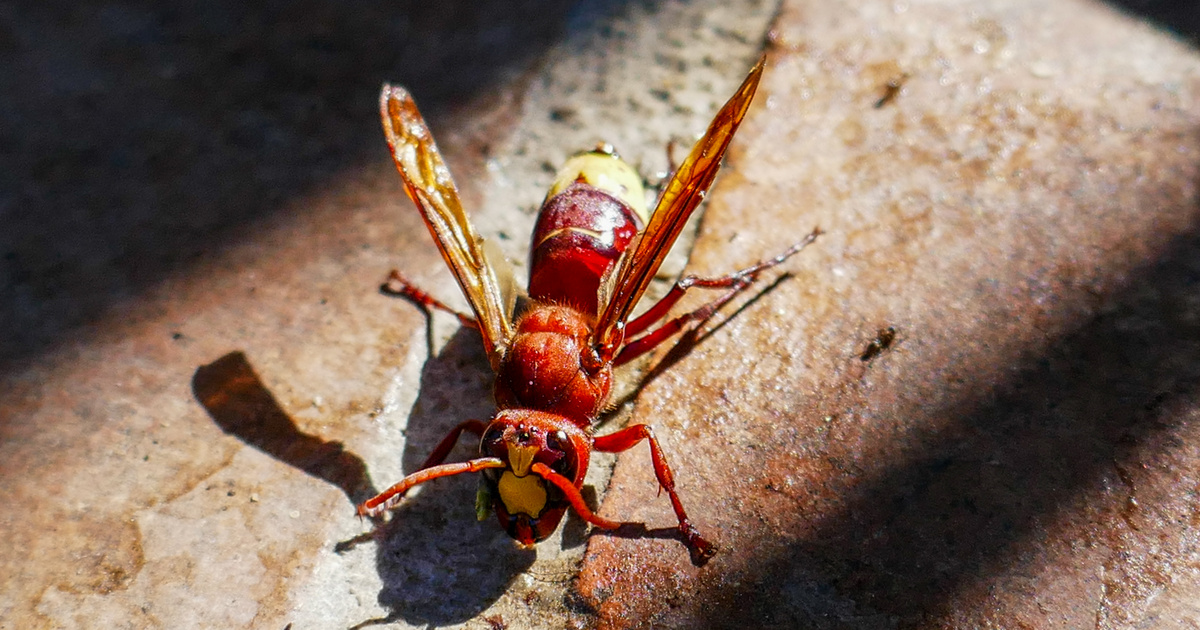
(562, 114)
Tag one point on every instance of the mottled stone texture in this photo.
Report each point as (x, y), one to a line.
(199, 378)
(198, 375)
(1021, 207)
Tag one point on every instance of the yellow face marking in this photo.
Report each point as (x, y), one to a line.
(609, 173)
(522, 495)
(520, 458)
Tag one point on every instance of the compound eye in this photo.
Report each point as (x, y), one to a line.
(556, 441)
(491, 439)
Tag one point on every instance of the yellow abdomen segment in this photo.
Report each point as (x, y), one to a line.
(603, 169)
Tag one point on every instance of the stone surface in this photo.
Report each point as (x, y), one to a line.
(198, 378)
(1021, 207)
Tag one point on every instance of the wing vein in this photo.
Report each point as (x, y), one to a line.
(429, 184)
(679, 199)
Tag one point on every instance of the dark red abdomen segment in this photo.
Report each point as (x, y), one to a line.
(580, 233)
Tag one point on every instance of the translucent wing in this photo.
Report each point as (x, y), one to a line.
(429, 185)
(685, 191)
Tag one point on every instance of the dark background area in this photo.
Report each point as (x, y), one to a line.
(1179, 16)
(137, 137)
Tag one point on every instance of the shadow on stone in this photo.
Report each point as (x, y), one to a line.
(238, 402)
(914, 541)
(439, 564)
